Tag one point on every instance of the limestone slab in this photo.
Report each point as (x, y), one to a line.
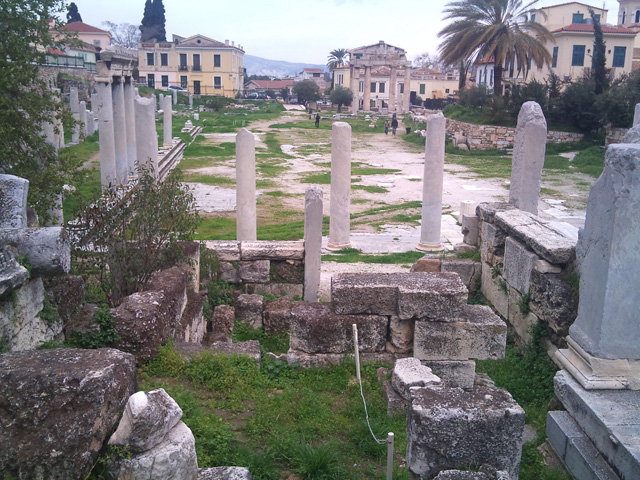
(518, 264)
(495, 289)
(49, 248)
(267, 250)
(256, 271)
(400, 335)
(228, 251)
(13, 201)
(395, 403)
(522, 323)
(312, 242)
(409, 372)
(12, 274)
(486, 211)
(476, 333)
(224, 473)
(467, 269)
(249, 309)
(454, 373)
(364, 293)
(437, 296)
(277, 316)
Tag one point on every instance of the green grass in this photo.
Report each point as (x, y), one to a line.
(222, 228)
(209, 179)
(590, 161)
(387, 209)
(216, 228)
(88, 183)
(372, 171)
(352, 255)
(197, 149)
(317, 178)
(556, 162)
(359, 125)
(370, 188)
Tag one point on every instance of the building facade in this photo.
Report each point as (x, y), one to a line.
(199, 64)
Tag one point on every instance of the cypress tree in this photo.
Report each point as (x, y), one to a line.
(159, 21)
(146, 32)
(599, 59)
(73, 15)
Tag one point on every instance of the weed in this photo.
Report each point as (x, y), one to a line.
(573, 280)
(523, 303)
(471, 254)
(4, 346)
(502, 285)
(209, 179)
(24, 261)
(219, 293)
(590, 161)
(48, 314)
(107, 336)
(317, 463)
(351, 255)
(370, 188)
(268, 343)
(495, 271)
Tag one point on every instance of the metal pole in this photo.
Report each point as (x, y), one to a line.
(355, 345)
(390, 442)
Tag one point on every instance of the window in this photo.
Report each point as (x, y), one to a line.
(446, 90)
(216, 60)
(196, 87)
(184, 81)
(597, 17)
(578, 18)
(361, 86)
(373, 87)
(150, 59)
(96, 43)
(316, 75)
(381, 87)
(619, 54)
(637, 17)
(554, 61)
(217, 82)
(533, 17)
(340, 80)
(196, 62)
(164, 59)
(422, 88)
(151, 80)
(624, 17)
(402, 88)
(577, 59)
(165, 80)
(183, 61)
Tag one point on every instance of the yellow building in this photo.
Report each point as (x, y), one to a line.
(434, 84)
(199, 64)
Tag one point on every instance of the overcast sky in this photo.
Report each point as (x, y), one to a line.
(298, 30)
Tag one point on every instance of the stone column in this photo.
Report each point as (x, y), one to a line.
(168, 121)
(355, 81)
(604, 345)
(146, 134)
(312, 242)
(175, 97)
(636, 115)
(339, 221)
(190, 101)
(366, 103)
(130, 123)
(48, 130)
(432, 184)
(74, 105)
(120, 131)
(246, 186)
(392, 89)
(58, 129)
(160, 101)
(528, 158)
(95, 104)
(406, 96)
(91, 123)
(106, 135)
(82, 117)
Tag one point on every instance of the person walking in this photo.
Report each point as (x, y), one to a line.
(386, 127)
(318, 120)
(310, 113)
(394, 124)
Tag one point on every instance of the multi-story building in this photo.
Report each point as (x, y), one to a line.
(199, 64)
(629, 17)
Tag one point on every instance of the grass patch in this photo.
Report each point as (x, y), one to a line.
(370, 188)
(209, 179)
(556, 162)
(387, 209)
(353, 255)
(484, 166)
(372, 171)
(271, 169)
(216, 228)
(317, 178)
(590, 161)
(202, 147)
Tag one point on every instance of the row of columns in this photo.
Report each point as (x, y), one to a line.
(393, 93)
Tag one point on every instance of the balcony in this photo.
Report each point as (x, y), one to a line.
(197, 68)
(183, 68)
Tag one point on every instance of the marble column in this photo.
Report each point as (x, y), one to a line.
(120, 131)
(312, 242)
(91, 123)
(432, 184)
(366, 104)
(246, 228)
(82, 117)
(74, 105)
(354, 84)
(58, 129)
(146, 133)
(528, 158)
(95, 105)
(175, 96)
(106, 134)
(406, 96)
(190, 101)
(130, 123)
(636, 115)
(393, 81)
(168, 121)
(339, 221)
(160, 101)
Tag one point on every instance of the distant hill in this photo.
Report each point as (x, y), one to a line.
(275, 68)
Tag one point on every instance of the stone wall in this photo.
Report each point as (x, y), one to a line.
(82, 79)
(614, 135)
(528, 271)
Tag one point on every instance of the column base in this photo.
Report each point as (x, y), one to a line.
(595, 373)
(335, 247)
(430, 247)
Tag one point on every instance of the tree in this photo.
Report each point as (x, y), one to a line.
(599, 55)
(160, 20)
(123, 34)
(152, 27)
(26, 102)
(464, 71)
(341, 96)
(284, 93)
(498, 29)
(73, 15)
(337, 58)
(307, 91)
(425, 60)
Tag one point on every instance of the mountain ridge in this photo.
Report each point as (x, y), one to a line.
(276, 68)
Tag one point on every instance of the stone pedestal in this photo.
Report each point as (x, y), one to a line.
(146, 134)
(528, 158)
(246, 186)
(107, 137)
(130, 123)
(168, 121)
(432, 185)
(339, 221)
(120, 131)
(312, 242)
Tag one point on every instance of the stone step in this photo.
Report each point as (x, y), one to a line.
(250, 348)
(575, 449)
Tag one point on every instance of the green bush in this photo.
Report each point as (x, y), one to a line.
(107, 336)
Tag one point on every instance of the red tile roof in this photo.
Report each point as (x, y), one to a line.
(588, 28)
(82, 27)
(273, 83)
(314, 70)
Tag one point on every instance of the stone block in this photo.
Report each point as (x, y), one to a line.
(454, 373)
(518, 264)
(315, 328)
(256, 271)
(12, 274)
(470, 229)
(61, 406)
(224, 473)
(542, 266)
(192, 324)
(277, 316)
(272, 250)
(228, 251)
(400, 335)
(13, 201)
(354, 293)
(287, 271)
(450, 428)
(436, 296)
(426, 265)
(495, 289)
(476, 333)
(463, 248)
(549, 241)
(249, 309)
(322, 360)
(492, 243)
(66, 294)
(292, 291)
(555, 302)
(222, 323)
(487, 211)
(229, 272)
(467, 269)
(250, 348)
(49, 248)
(521, 322)
(395, 403)
(409, 372)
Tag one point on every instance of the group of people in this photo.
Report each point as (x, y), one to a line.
(394, 125)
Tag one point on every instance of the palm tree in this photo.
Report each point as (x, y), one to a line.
(337, 58)
(497, 29)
